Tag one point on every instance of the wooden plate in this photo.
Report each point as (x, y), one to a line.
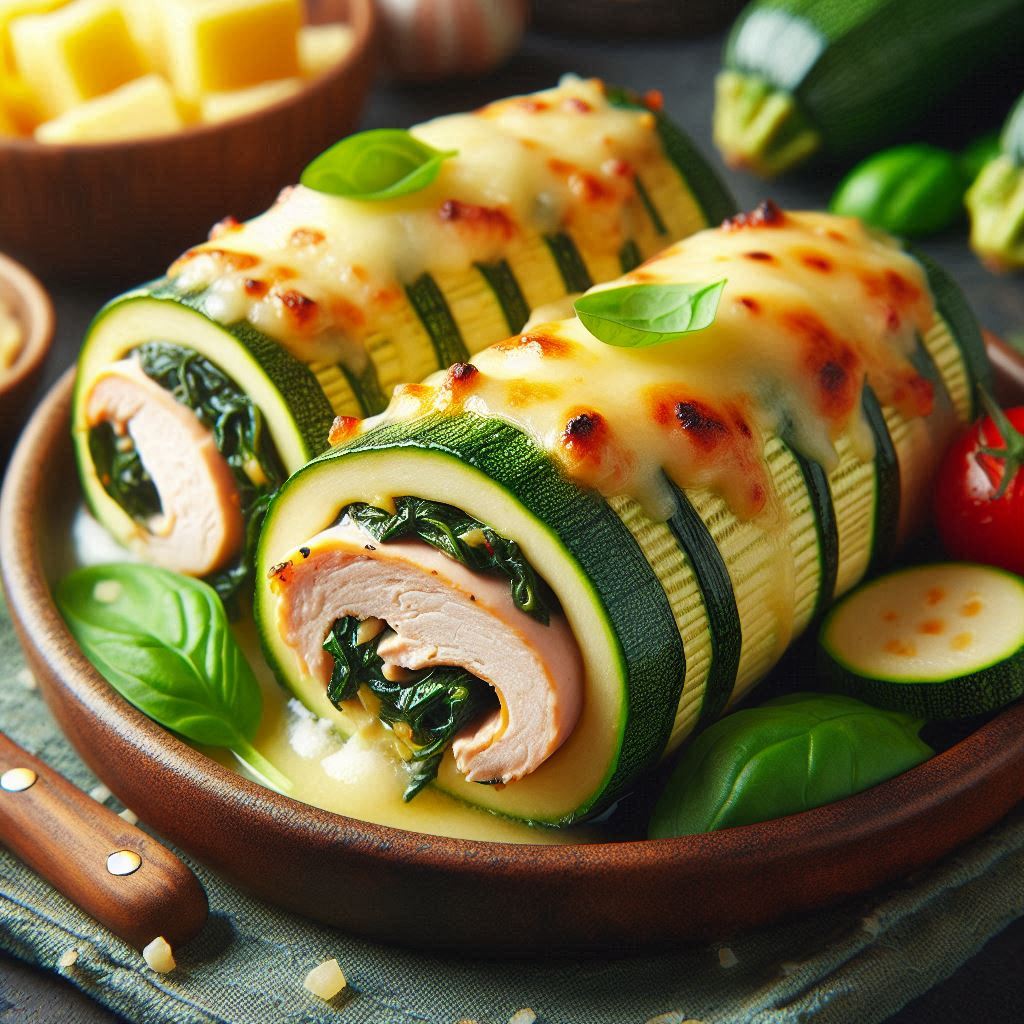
(480, 897)
(114, 211)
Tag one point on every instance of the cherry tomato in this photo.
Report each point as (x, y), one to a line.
(979, 497)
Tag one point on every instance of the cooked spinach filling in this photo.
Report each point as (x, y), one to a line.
(239, 432)
(462, 538)
(425, 711)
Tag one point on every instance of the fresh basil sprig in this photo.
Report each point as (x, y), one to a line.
(640, 315)
(162, 641)
(788, 755)
(383, 163)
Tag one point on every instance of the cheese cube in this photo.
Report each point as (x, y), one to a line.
(75, 53)
(223, 45)
(321, 47)
(143, 107)
(223, 106)
(144, 23)
(18, 103)
(11, 9)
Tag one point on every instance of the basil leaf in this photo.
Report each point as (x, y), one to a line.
(383, 163)
(640, 315)
(162, 641)
(786, 756)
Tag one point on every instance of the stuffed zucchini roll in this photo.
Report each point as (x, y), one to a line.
(198, 394)
(539, 571)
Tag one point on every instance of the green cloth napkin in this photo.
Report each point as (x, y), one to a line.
(853, 965)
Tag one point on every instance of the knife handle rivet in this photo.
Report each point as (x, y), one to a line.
(123, 862)
(14, 780)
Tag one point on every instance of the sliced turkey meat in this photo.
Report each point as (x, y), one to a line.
(442, 614)
(200, 527)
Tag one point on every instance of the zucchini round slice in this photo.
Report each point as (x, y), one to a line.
(938, 641)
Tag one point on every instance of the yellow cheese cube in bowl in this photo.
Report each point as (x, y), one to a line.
(145, 24)
(321, 47)
(222, 45)
(139, 109)
(11, 9)
(215, 107)
(75, 53)
(18, 101)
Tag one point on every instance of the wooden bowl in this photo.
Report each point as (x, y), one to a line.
(119, 211)
(476, 896)
(28, 301)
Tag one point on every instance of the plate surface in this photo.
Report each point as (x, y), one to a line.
(446, 893)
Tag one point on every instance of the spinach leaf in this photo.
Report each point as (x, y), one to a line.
(383, 163)
(641, 315)
(426, 711)
(163, 642)
(461, 538)
(122, 474)
(788, 755)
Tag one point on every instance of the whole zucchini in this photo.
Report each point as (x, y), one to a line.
(842, 76)
(995, 202)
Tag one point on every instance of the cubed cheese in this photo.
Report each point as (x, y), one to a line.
(223, 45)
(144, 23)
(11, 9)
(143, 107)
(321, 47)
(18, 102)
(75, 53)
(223, 106)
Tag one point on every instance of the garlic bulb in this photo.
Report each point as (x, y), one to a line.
(431, 39)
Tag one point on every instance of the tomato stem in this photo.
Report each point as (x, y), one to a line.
(1011, 455)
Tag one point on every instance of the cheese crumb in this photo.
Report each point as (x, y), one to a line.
(310, 737)
(130, 816)
(107, 591)
(523, 1016)
(726, 957)
(68, 958)
(325, 981)
(159, 955)
(100, 793)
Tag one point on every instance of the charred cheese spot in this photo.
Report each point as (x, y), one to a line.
(547, 346)
(701, 423)
(582, 184)
(302, 237)
(760, 256)
(474, 217)
(459, 381)
(749, 304)
(913, 395)
(343, 428)
(617, 168)
(654, 100)
(302, 310)
(577, 105)
(816, 261)
(585, 435)
(224, 227)
(225, 258)
(349, 315)
(765, 214)
(255, 288)
(834, 365)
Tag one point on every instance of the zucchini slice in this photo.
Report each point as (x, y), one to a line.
(938, 641)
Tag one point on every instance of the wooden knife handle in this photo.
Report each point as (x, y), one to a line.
(77, 845)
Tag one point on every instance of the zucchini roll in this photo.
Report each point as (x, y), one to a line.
(543, 569)
(198, 394)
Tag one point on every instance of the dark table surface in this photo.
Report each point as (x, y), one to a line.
(990, 987)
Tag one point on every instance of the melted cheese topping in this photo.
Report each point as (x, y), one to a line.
(812, 306)
(12, 338)
(319, 272)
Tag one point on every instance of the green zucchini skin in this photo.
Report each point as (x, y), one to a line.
(858, 71)
(929, 693)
